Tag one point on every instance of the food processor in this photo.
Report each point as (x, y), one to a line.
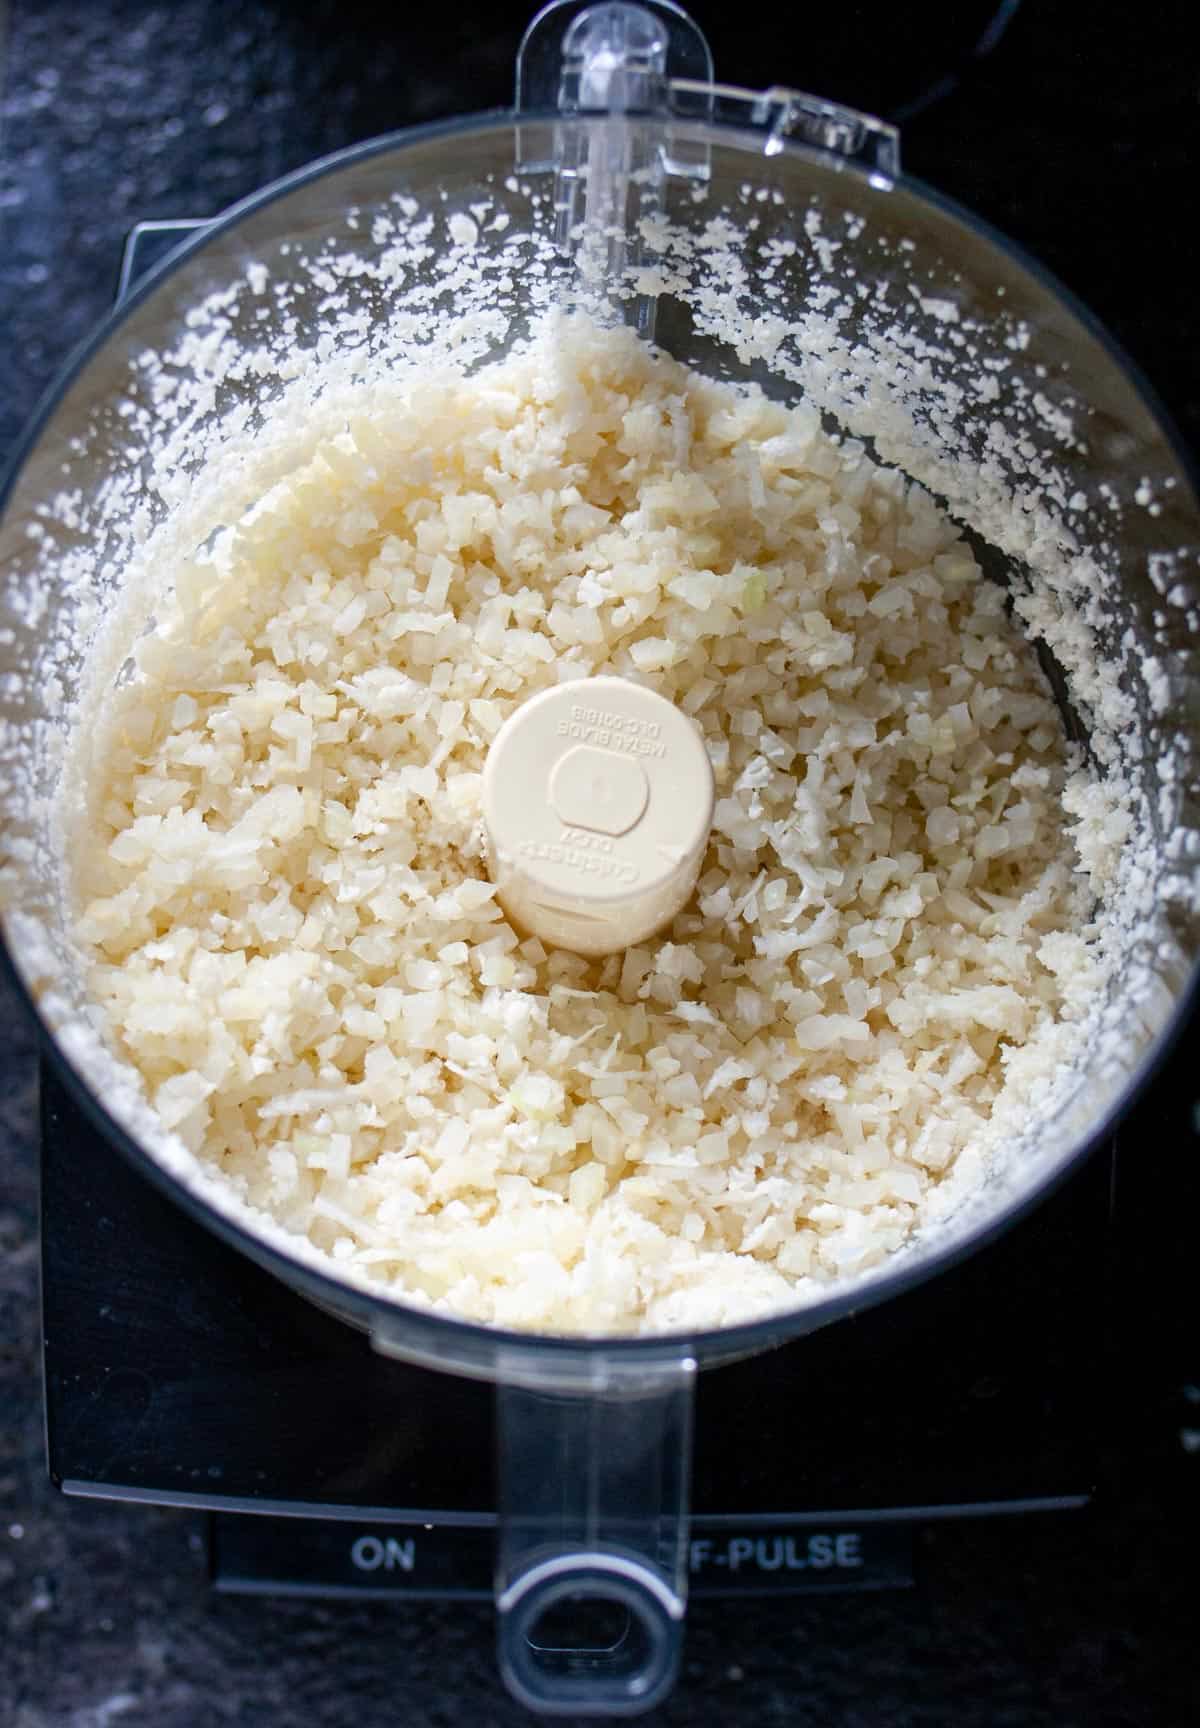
(768, 238)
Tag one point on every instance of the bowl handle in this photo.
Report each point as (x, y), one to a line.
(591, 1564)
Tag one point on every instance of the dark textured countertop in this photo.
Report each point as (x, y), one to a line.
(1077, 136)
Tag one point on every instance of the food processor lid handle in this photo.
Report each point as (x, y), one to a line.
(629, 91)
(579, 60)
(577, 56)
(605, 71)
(569, 46)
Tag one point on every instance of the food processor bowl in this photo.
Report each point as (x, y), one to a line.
(765, 238)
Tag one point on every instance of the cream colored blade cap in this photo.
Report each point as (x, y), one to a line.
(598, 798)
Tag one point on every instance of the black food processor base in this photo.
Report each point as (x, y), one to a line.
(179, 1373)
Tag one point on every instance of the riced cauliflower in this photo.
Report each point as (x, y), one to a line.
(283, 894)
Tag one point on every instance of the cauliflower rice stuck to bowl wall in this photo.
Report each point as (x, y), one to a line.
(284, 900)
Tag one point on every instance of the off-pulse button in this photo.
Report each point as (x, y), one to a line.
(597, 801)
